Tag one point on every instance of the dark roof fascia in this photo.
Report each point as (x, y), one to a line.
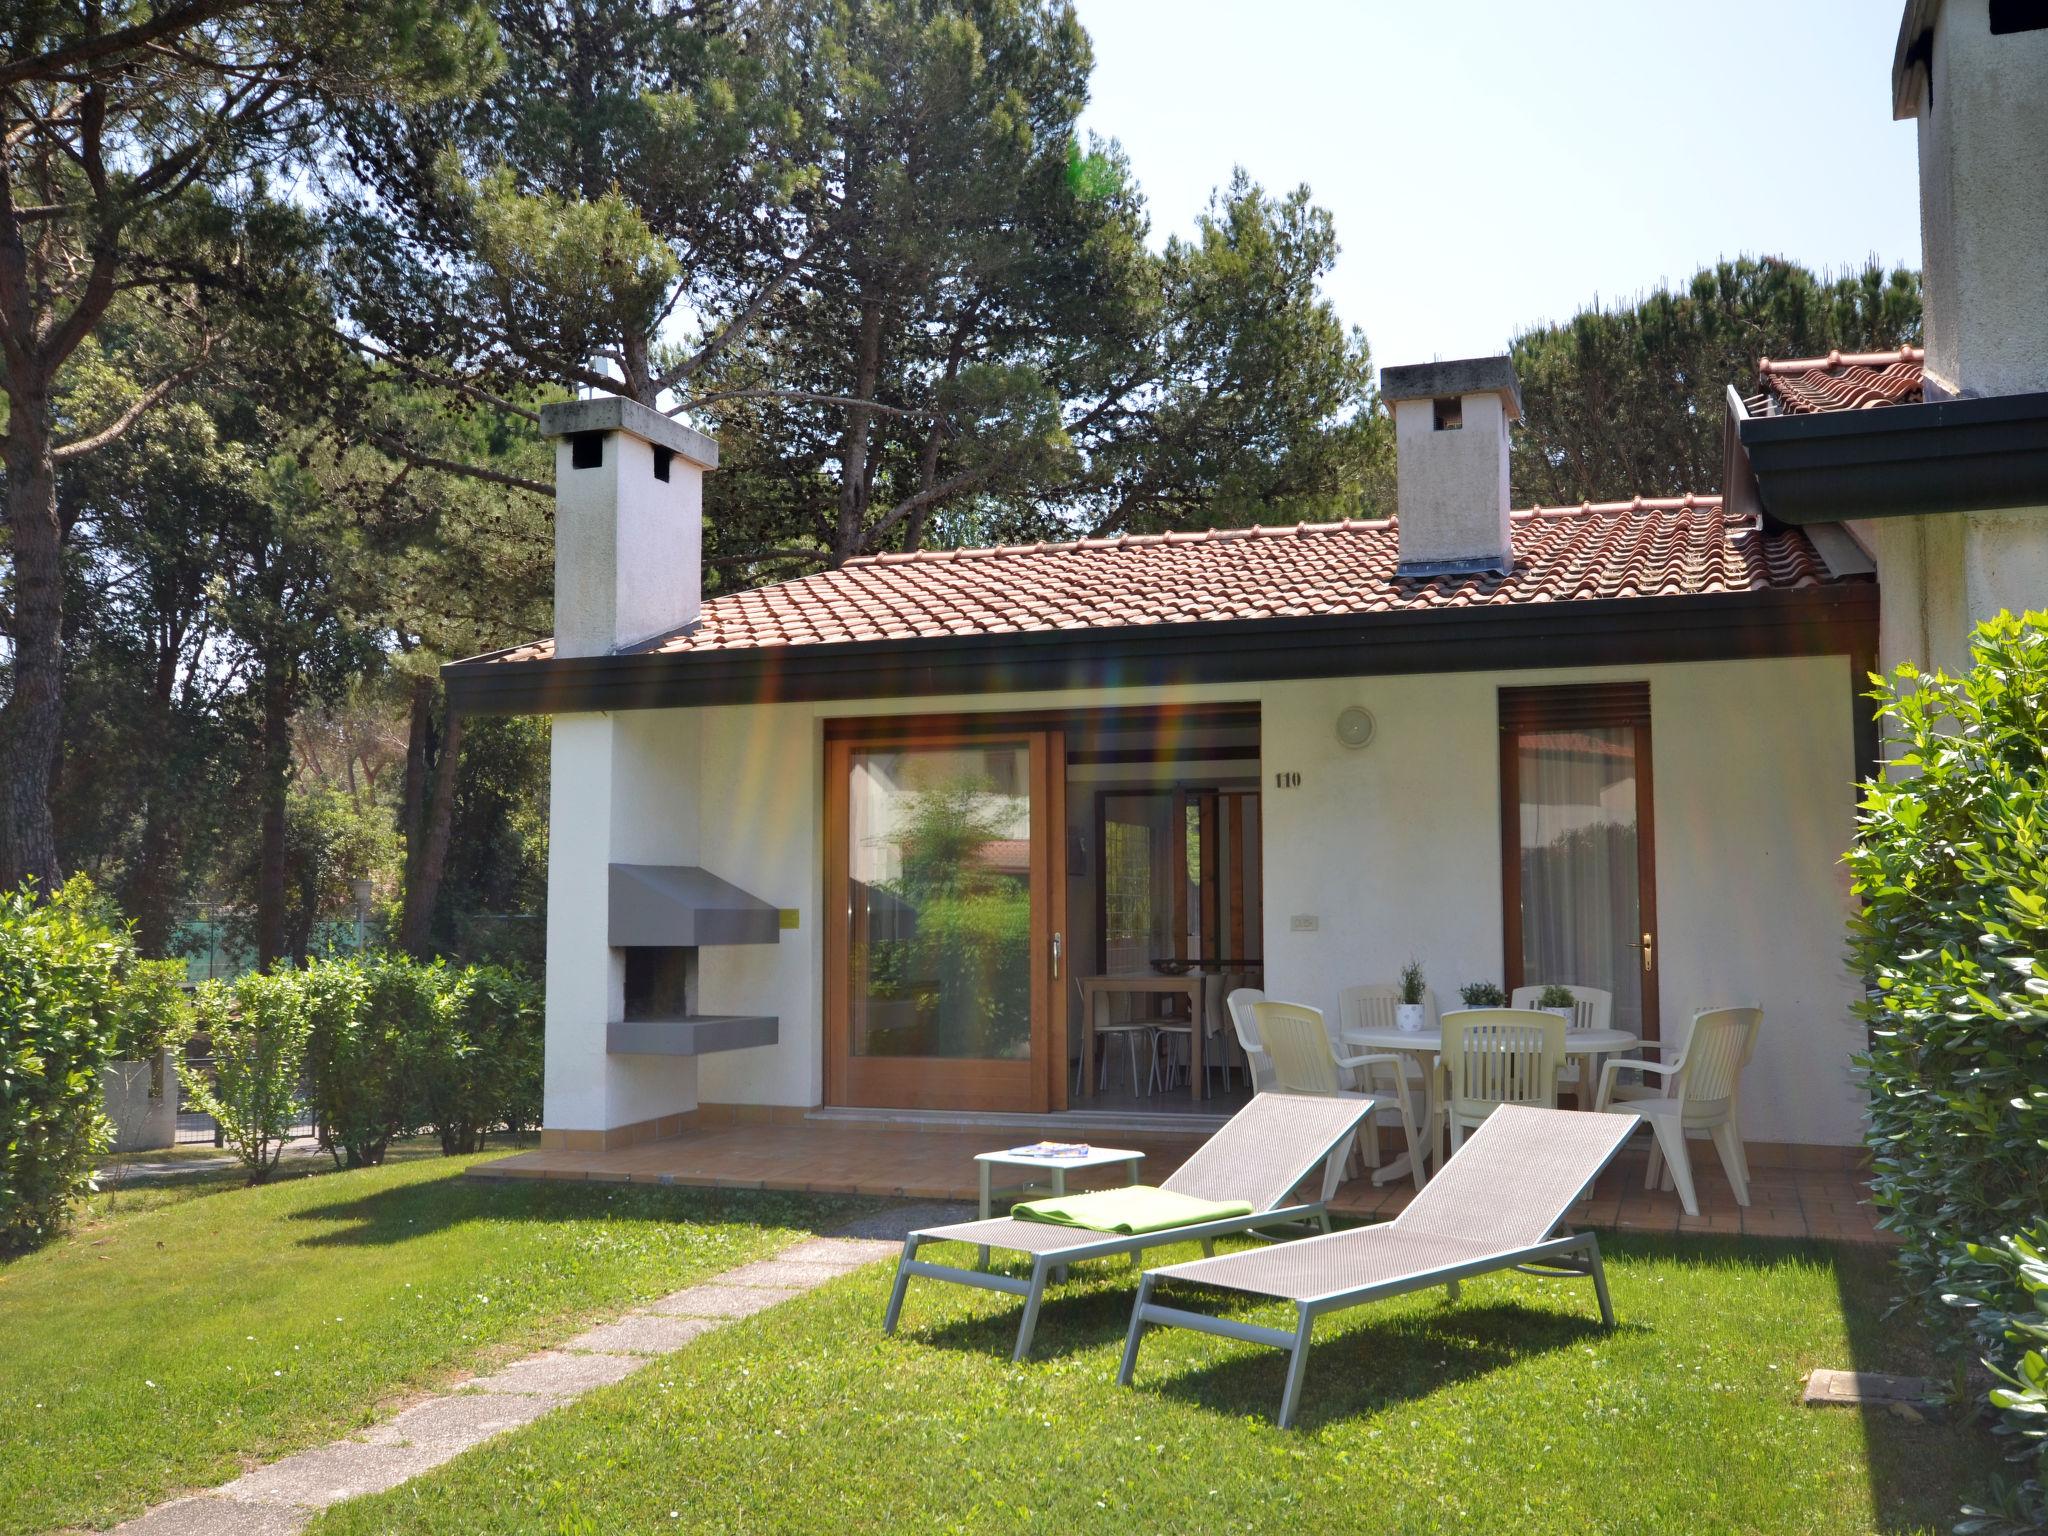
(1809, 621)
(1970, 455)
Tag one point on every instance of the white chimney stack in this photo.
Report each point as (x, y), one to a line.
(629, 523)
(1975, 73)
(1451, 475)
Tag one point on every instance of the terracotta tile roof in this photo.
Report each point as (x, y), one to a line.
(1841, 381)
(1643, 548)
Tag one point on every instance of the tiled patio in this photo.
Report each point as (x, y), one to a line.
(828, 1157)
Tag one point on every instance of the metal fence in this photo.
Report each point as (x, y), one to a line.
(197, 1128)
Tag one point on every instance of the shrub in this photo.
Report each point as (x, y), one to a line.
(151, 1009)
(483, 1069)
(1482, 994)
(1555, 996)
(258, 1030)
(1951, 864)
(396, 1044)
(353, 1064)
(58, 965)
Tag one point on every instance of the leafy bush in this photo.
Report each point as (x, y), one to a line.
(151, 1009)
(1555, 996)
(353, 1062)
(396, 1044)
(258, 1029)
(1482, 994)
(59, 961)
(2014, 1272)
(1951, 863)
(483, 1065)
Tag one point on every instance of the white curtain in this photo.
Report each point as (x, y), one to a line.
(1580, 896)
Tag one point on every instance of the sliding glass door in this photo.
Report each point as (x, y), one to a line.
(1578, 844)
(942, 955)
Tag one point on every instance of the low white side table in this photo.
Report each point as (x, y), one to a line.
(1056, 1167)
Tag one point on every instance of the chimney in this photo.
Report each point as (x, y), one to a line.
(1975, 74)
(1451, 444)
(629, 523)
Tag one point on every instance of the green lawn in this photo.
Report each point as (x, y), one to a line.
(1511, 1412)
(191, 1328)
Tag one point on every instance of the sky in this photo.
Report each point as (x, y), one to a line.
(1493, 164)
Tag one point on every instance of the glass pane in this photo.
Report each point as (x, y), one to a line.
(1581, 900)
(1137, 890)
(941, 893)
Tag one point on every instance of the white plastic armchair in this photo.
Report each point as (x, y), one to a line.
(1496, 1056)
(1702, 1083)
(1239, 1006)
(1592, 1008)
(1297, 1041)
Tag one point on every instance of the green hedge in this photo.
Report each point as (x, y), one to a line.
(398, 1046)
(59, 968)
(1951, 862)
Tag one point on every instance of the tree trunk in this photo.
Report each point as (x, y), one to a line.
(419, 746)
(853, 451)
(416, 930)
(275, 770)
(31, 727)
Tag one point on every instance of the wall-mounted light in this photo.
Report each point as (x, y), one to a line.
(1355, 727)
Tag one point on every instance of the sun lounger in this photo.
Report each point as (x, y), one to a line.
(1498, 1203)
(1258, 1158)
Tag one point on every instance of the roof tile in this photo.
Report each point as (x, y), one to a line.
(1672, 546)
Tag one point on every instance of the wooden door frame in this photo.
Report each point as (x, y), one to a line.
(1565, 707)
(926, 1082)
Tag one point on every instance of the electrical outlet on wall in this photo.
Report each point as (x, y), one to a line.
(1304, 922)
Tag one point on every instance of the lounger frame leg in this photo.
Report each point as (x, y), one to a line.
(902, 1285)
(1599, 1280)
(1129, 1365)
(1297, 1367)
(1029, 1324)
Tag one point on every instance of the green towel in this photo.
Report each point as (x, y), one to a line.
(1131, 1210)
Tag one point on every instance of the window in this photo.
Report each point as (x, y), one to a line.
(1450, 412)
(586, 450)
(662, 457)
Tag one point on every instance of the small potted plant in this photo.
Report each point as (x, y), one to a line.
(1558, 1000)
(1482, 994)
(1408, 1010)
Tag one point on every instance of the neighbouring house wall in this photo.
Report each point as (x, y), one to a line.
(1393, 850)
(1942, 574)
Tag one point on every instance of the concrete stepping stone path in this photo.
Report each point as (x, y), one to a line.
(278, 1500)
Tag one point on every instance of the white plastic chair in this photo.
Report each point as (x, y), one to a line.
(1496, 1056)
(1702, 1084)
(1239, 1003)
(1592, 1008)
(1297, 1042)
(1371, 1006)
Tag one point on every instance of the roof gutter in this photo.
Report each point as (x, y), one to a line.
(1971, 455)
(1827, 620)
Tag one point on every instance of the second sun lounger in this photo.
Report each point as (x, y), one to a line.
(1263, 1152)
(1496, 1204)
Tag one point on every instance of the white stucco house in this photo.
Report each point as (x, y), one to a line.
(850, 842)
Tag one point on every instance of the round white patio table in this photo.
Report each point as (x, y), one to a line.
(1426, 1044)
